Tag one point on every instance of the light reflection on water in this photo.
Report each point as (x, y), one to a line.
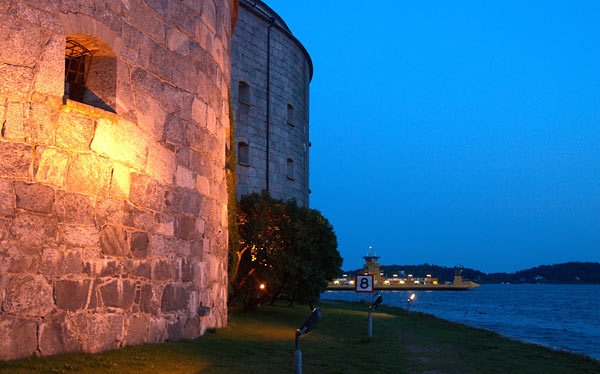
(560, 316)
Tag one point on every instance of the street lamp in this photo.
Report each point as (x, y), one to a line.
(308, 325)
(410, 300)
(372, 307)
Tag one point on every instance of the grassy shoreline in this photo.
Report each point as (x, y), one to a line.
(264, 341)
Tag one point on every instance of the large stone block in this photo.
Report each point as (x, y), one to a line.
(137, 329)
(15, 81)
(74, 131)
(42, 121)
(122, 141)
(19, 337)
(138, 243)
(185, 227)
(50, 166)
(164, 246)
(28, 295)
(74, 208)
(89, 173)
(78, 236)
(175, 130)
(121, 213)
(21, 35)
(181, 200)
(163, 270)
(57, 335)
(33, 230)
(184, 271)
(150, 115)
(7, 197)
(15, 126)
(147, 83)
(161, 163)
(118, 293)
(139, 268)
(174, 298)
(164, 224)
(34, 197)
(51, 68)
(120, 181)
(14, 258)
(113, 241)
(151, 299)
(103, 268)
(16, 159)
(74, 295)
(147, 192)
(57, 263)
(104, 332)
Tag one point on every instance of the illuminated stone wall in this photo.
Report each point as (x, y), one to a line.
(113, 223)
(290, 75)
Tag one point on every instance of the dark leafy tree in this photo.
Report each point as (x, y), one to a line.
(292, 250)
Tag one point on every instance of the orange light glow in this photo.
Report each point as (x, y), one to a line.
(262, 286)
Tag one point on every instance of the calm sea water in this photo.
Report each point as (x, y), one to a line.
(559, 316)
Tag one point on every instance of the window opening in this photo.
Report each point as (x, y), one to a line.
(243, 154)
(78, 60)
(290, 115)
(290, 169)
(244, 93)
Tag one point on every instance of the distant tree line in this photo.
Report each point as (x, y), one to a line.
(566, 273)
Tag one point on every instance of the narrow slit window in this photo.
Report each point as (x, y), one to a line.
(290, 169)
(290, 115)
(243, 154)
(244, 93)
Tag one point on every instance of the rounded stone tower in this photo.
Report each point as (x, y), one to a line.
(113, 203)
(271, 74)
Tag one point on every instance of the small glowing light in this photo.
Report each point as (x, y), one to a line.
(336, 282)
(262, 286)
(435, 282)
(395, 275)
(412, 297)
(410, 275)
(351, 282)
(402, 282)
(428, 275)
(416, 282)
(387, 282)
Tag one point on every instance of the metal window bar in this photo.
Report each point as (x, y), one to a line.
(76, 69)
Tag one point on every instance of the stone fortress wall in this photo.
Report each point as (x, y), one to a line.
(270, 89)
(113, 215)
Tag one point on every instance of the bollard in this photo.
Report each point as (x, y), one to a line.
(370, 324)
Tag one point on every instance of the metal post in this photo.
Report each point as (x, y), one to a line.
(370, 324)
(298, 355)
(408, 307)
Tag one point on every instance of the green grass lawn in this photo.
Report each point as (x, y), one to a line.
(263, 342)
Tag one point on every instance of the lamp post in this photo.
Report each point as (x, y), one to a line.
(372, 307)
(410, 300)
(308, 325)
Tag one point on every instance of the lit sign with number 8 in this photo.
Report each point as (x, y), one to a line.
(363, 283)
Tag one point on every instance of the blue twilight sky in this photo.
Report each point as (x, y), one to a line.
(450, 132)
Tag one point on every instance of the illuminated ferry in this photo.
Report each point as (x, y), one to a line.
(401, 283)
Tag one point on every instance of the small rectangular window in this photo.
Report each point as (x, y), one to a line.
(244, 93)
(290, 169)
(290, 115)
(243, 154)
